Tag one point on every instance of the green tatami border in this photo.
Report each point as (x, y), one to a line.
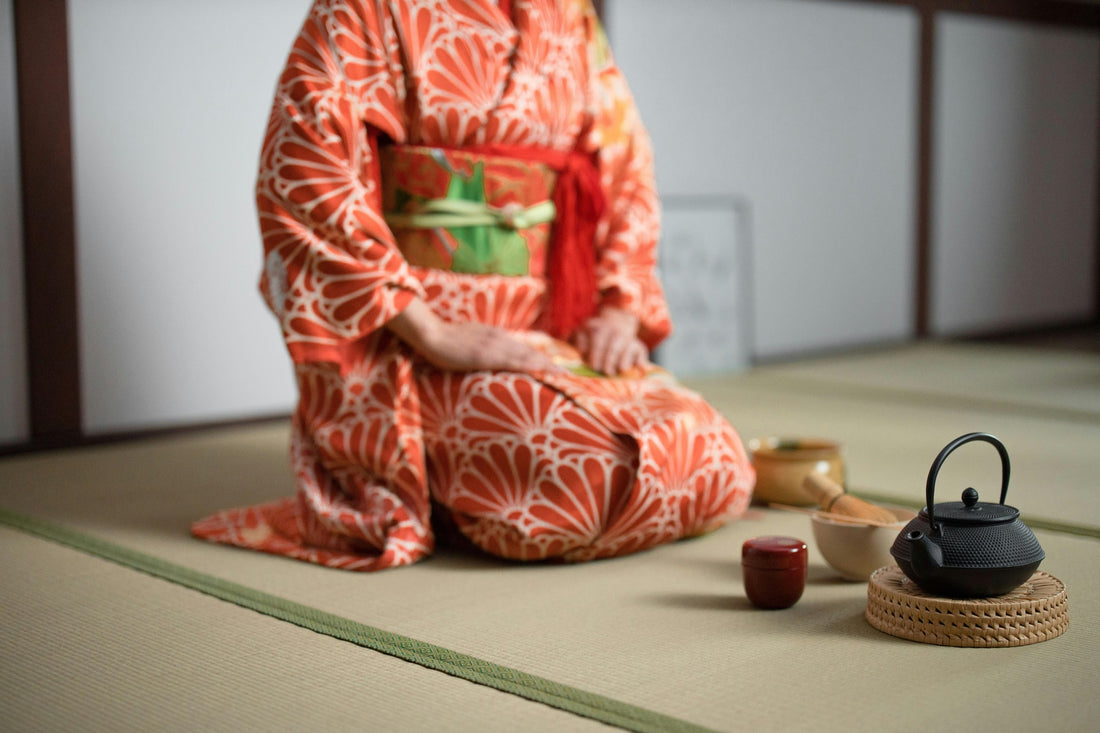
(473, 669)
(925, 397)
(1050, 525)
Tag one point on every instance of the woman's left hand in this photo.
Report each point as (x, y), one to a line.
(609, 342)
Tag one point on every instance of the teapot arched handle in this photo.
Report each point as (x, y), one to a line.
(930, 488)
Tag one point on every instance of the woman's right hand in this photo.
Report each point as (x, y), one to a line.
(465, 346)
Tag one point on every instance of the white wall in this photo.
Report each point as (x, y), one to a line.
(807, 111)
(1015, 175)
(14, 421)
(170, 102)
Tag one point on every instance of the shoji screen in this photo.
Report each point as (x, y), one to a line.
(170, 102)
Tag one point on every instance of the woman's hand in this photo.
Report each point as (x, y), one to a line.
(465, 346)
(609, 342)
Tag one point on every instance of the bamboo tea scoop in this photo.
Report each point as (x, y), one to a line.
(832, 498)
(836, 517)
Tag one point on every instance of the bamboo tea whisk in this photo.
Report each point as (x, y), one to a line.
(831, 497)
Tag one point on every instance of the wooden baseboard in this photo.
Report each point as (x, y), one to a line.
(77, 440)
(1057, 329)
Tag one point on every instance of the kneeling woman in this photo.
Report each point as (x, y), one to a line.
(460, 222)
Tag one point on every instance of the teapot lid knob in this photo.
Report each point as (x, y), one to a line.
(970, 497)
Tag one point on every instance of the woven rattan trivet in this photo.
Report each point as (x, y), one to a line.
(1036, 611)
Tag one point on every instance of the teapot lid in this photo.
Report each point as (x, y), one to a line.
(970, 511)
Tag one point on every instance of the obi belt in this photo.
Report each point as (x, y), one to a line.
(499, 210)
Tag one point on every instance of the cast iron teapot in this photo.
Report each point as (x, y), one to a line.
(968, 548)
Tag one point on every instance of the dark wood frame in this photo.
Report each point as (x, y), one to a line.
(49, 226)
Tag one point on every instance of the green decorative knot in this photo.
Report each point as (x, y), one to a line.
(486, 240)
(448, 213)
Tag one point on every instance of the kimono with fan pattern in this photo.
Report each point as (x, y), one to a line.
(566, 465)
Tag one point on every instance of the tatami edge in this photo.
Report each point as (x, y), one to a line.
(1050, 525)
(479, 671)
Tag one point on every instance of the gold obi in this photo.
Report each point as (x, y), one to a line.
(463, 211)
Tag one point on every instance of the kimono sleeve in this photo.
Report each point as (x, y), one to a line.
(626, 240)
(332, 272)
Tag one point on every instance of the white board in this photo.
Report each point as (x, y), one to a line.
(704, 264)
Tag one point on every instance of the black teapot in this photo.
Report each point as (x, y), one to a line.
(968, 548)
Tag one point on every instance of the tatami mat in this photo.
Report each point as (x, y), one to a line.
(90, 646)
(1061, 383)
(893, 428)
(668, 630)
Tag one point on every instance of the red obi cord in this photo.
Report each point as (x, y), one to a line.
(579, 202)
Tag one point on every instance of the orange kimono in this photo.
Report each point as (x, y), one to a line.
(569, 464)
